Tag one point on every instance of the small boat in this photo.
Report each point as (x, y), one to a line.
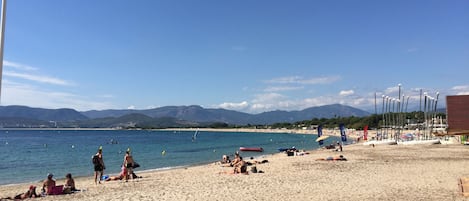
(258, 149)
(416, 142)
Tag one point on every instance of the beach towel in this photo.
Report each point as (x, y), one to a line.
(57, 190)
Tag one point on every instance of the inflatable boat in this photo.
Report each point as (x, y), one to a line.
(258, 149)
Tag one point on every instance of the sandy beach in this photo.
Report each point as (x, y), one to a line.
(387, 172)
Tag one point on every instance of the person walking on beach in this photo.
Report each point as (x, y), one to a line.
(99, 166)
(128, 164)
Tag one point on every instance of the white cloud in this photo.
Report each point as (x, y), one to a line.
(346, 92)
(301, 80)
(18, 66)
(461, 90)
(14, 93)
(271, 101)
(234, 106)
(282, 88)
(391, 90)
(27, 74)
(131, 107)
(268, 97)
(36, 78)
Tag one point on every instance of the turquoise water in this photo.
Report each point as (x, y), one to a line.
(28, 155)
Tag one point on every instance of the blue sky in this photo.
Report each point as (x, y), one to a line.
(249, 56)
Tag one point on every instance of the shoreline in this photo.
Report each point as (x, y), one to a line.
(56, 177)
(243, 130)
(387, 172)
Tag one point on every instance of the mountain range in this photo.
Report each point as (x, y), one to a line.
(163, 117)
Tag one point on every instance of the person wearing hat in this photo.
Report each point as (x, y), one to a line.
(48, 184)
(99, 166)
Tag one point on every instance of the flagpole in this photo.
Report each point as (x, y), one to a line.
(2, 39)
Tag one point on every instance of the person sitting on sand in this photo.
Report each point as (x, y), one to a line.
(330, 158)
(69, 185)
(240, 166)
(235, 160)
(331, 146)
(48, 184)
(31, 193)
(339, 145)
(256, 161)
(225, 159)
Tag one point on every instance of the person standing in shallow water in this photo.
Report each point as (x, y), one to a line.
(99, 166)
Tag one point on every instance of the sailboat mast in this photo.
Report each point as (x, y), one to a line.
(2, 39)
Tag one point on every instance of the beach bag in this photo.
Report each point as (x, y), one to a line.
(95, 160)
(67, 190)
(135, 165)
(57, 190)
(254, 169)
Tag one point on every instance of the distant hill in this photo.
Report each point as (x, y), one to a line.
(41, 114)
(193, 113)
(19, 122)
(196, 113)
(326, 111)
(134, 120)
(163, 117)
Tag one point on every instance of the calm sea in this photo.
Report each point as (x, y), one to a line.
(28, 155)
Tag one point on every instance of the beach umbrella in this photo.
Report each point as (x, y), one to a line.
(322, 138)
